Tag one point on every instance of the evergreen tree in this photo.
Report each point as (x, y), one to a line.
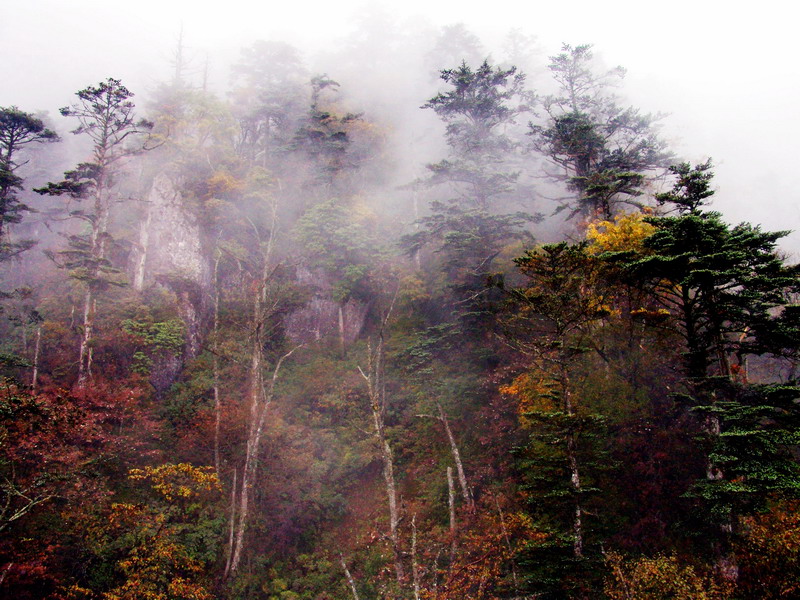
(469, 226)
(554, 320)
(604, 152)
(105, 113)
(18, 130)
(727, 291)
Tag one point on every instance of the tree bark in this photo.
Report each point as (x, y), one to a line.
(232, 528)
(350, 579)
(260, 399)
(215, 367)
(35, 375)
(451, 503)
(377, 399)
(572, 459)
(462, 478)
(342, 342)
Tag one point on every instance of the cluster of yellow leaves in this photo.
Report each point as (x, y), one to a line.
(181, 481)
(221, 184)
(626, 232)
(658, 578)
(155, 571)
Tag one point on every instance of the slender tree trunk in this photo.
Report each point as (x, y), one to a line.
(414, 566)
(577, 527)
(144, 248)
(232, 528)
(35, 375)
(349, 577)
(451, 503)
(377, 398)
(462, 478)
(342, 344)
(85, 353)
(572, 459)
(215, 367)
(260, 399)
(98, 252)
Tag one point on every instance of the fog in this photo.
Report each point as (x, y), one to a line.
(305, 276)
(728, 77)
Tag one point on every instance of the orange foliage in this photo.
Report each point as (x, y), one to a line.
(769, 553)
(532, 392)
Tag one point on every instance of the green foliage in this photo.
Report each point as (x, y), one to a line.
(469, 226)
(338, 242)
(605, 150)
(154, 339)
(18, 129)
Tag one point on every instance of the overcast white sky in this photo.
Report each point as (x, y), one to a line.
(728, 76)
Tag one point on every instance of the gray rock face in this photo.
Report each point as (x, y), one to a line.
(170, 254)
(322, 316)
(169, 239)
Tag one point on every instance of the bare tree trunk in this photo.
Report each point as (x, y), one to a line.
(98, 252)
(144, 248)
(577, 527)
(215, 366)
(260, 399)
(572, 459)
(414, 567)
(233, 523)
(377, 398)
(349, 577)
(5, 572)
(451, 502)
(35, 375)
(462, 478)
(85, 352)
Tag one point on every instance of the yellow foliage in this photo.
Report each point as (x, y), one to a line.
(626, 232)
(658, 578)
(221, 183)
(178, 481)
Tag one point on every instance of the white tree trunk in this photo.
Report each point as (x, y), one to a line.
(350, 579)
(462, 478)
(377, 399)
(414, 566)
(35, 375)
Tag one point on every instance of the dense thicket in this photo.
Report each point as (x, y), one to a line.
(265, 352)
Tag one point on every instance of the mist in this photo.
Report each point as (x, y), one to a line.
(437, 302)
(726, 77)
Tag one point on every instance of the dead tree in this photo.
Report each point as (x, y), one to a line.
(462, 478)
(349, 577)
(260, 394)
(376, 387)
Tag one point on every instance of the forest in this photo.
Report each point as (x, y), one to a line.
(467, 331)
